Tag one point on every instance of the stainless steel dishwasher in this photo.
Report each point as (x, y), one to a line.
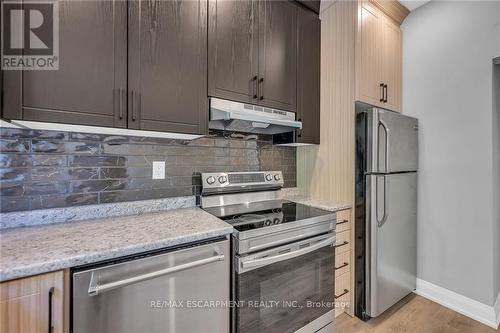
(182, 291)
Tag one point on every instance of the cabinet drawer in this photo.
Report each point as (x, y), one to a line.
(343, 220)
(342, 263)
(343, 242)
(342, 293)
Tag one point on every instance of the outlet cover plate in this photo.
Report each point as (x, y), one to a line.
(158, 169)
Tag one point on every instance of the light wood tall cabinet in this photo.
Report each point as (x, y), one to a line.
(360, 49)
(378, 57)
(33, 304)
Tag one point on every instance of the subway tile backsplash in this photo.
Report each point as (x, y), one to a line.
(49, 169)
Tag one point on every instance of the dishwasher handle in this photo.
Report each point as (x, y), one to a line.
(95, 288)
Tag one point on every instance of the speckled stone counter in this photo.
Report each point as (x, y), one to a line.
(293, 194)
(87, 212)
(39, 249)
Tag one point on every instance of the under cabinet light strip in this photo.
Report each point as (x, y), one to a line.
(35, 125)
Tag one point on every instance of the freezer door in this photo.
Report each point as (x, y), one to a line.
(392, 142)
(391, 242)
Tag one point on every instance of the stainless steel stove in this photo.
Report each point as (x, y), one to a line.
(283, 253)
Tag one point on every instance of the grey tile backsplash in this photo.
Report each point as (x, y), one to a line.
(49, 169)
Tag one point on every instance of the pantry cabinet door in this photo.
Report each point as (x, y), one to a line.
(391, 64)
(368, 67)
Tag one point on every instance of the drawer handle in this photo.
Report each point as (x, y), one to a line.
(342, 222)
(342, 266)
(345, 292)
(344, 243)
(51, 296)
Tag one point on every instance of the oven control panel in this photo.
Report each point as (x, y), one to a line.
(243, 180)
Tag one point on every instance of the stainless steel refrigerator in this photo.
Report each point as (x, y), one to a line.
(386, 210)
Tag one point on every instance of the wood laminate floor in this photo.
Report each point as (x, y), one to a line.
(414, 314)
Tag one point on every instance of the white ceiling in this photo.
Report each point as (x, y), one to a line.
(413, 4)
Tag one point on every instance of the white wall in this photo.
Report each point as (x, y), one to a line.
(448, 49)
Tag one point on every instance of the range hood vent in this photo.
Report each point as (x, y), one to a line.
(248, 118)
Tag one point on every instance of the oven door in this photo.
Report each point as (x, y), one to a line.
(285, 288)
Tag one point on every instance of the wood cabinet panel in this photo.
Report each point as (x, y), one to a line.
(168, 66)
(391, 63)
(378, 67)
(369, 57)
(24, 304)
(92, 70)
(343, 221)
(308, 76)
(233, 50)
(343, 242)
(278, 54)
(342, 293)
(342, 263)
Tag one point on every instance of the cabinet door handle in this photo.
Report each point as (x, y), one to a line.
(344, 243)
(120, 96)
(345, 292)
(254, 79)
(261, 83)
(342, 222)
(51, 296)
(382, 92)
(385, 90)
(133, 104)
(345, 264)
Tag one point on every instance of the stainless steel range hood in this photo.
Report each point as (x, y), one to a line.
(248, 118)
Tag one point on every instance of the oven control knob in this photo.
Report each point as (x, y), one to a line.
(277, 177)
(269, 177)
(211, 180)
(222, 179)
(267, 223)
(276, 221)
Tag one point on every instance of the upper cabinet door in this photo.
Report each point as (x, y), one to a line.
(168, 66)
(278, 49)
(308, 76)
(369, 82)
(90, 86)
(233, 50)
(391, 64)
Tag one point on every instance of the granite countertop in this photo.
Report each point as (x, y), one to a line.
(39, 249)
(323, 204)
(292, 194)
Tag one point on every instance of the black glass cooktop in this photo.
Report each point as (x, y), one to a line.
(265, 214)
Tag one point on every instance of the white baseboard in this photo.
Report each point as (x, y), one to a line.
(488, 315)
(497, 309)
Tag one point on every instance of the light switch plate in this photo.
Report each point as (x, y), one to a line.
(158, 169)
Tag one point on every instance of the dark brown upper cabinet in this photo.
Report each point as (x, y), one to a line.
(168, 66)
(252, 52)
(233, 50)
(278, 54)
(161, 87)
(92, 73)
(308, 76)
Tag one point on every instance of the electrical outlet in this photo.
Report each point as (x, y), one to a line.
(158, 169)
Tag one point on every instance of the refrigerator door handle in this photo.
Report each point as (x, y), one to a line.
(382, 221)
(386, 130)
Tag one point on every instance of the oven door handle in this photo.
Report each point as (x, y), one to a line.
(289, 255)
